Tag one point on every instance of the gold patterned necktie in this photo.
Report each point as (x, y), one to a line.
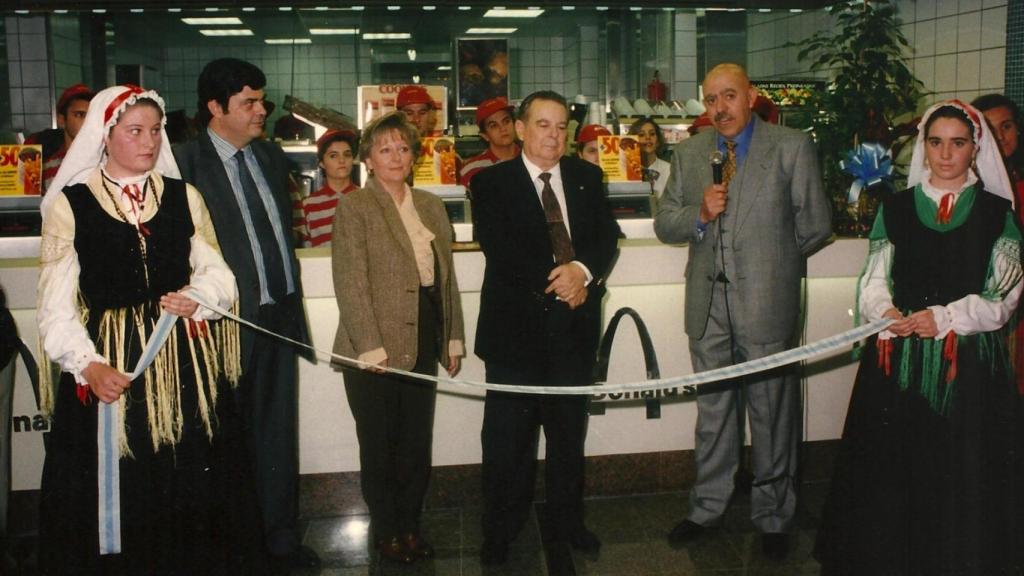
(729, 168)
(561, 245)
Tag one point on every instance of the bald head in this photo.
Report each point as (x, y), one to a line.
(729, 98)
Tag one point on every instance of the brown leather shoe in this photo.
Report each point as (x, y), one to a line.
(416, 546)
(393, 549)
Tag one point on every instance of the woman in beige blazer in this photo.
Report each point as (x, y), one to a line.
(399, 307)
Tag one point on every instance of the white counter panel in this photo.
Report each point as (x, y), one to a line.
(648, 277)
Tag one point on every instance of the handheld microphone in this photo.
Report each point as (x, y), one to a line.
(717, 162)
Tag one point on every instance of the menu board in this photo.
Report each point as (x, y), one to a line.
(379, 99)
(437, 163)
(620, 158)
(21, 170)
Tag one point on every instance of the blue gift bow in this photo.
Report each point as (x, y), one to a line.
(869, 164)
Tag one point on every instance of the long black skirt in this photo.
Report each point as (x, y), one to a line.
(918, 492)
(188, 509)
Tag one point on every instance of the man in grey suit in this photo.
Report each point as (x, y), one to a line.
(748, 240)
(244, 182)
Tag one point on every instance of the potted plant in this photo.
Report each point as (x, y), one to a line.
(871, 87)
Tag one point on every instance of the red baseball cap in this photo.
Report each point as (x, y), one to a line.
(491, 106)
(590, 132)
(413, 94)
(332, 136)
(702, 121)
(71, 92)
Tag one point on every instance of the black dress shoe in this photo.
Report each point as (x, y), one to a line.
(416, 545)
(684, 533)
(394, 549)
(493, 552)
(775, 545)
(559, 559)
(585, 541)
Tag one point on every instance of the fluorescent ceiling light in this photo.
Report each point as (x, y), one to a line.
(137, 10)
(444, 67)
(60, 11)
(99, 10)
(174, 9)
(394, 8)
(568, 8)
(249, 9)
(333, 31)
(429, 8)
(288, 41)
(226, 32)
(387, 36)
(795, 10)
(21, 11)
(601, 8)
(214, 21)
(464, 8)
(357, 8)
(321, 8)
(764, 9)
(212, 9)
(491, 30)
(285, 8)
(502, 13)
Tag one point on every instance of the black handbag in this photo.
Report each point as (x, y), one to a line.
(651, 397)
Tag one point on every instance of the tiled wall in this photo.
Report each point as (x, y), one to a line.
(31, 95)
(959, 45)
(324, 75)
(768, 57)
(66, 39)
(684, 65)
(1015, 50)
(958, 48)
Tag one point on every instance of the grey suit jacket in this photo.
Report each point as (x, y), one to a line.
(780, 215)
(376, 281)
(201, 166)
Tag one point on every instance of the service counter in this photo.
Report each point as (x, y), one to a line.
(647, 277)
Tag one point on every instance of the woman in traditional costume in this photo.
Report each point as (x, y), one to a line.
(930, 472)
(122, 240)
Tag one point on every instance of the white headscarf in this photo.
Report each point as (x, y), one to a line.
(88, 150)
(988, 161)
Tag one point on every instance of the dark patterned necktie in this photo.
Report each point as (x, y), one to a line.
(561, 245)
(273, 266)
(729, 168)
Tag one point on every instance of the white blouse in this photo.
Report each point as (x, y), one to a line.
(968, 315)
(62, 331)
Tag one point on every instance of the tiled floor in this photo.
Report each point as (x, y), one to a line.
(632, 529)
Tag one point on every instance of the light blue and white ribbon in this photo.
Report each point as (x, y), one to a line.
(108, 430)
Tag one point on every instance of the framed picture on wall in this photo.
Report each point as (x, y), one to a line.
(483, 70)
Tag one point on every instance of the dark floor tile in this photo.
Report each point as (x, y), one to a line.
(340, 541)
(443, 529)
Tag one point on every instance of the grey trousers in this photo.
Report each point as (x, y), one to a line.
(772, 401)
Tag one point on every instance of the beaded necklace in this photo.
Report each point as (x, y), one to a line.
(140, 228)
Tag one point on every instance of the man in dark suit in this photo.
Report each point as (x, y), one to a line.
(549, 239)
(748, 237)
(244, 181)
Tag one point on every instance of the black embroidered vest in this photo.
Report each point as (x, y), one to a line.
(923, 270)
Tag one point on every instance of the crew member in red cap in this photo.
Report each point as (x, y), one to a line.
(335, 151)
(497, 128)
(419, 109)
(71, 109)
(587, 146)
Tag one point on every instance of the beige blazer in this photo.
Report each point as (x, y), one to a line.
(376, 282)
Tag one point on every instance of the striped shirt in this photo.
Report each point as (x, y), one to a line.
(318, 215)
(471, 167)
